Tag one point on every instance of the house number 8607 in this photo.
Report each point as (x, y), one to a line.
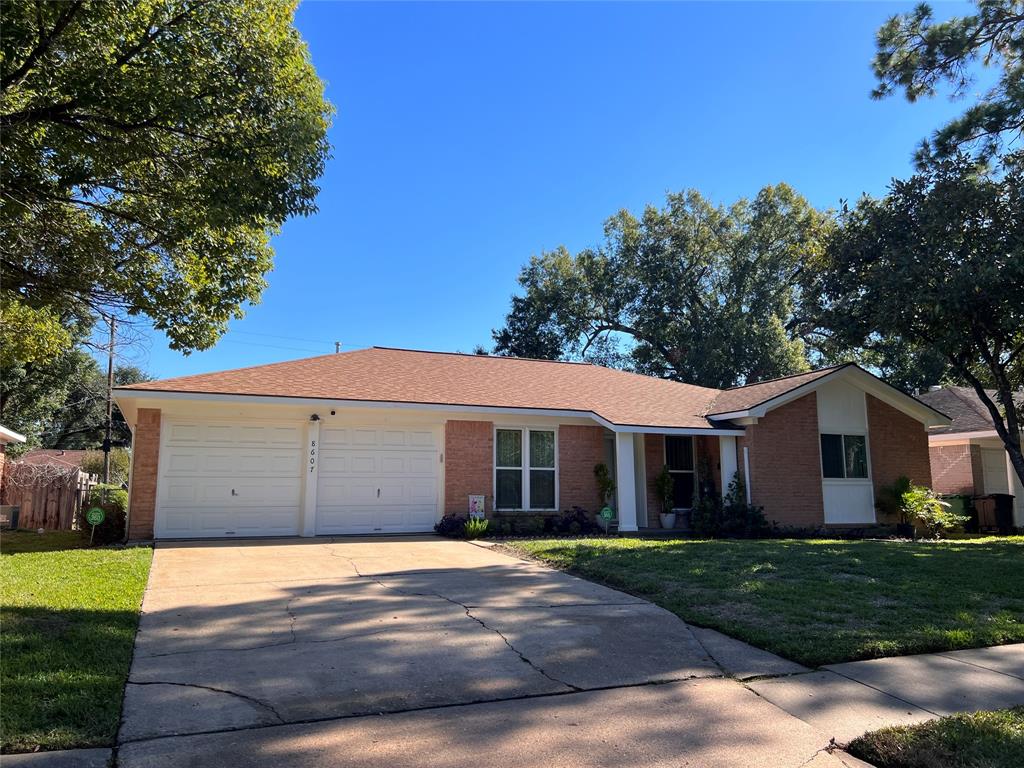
(312, 455)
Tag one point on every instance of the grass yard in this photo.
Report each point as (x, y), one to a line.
(818, 601)
(69, 614)
(978, 740)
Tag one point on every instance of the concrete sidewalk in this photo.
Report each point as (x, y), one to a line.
(844, 701)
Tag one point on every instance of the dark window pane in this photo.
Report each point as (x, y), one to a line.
(542, 449)
(510, 448)
(856, 456)
(682, 490)
(542, 489)
(832, 456)
(510, 489)
(679, 452)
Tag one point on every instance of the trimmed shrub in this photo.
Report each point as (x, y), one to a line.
(729, 518)
(452, 526)
(113, 500)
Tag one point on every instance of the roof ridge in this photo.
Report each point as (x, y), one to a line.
(488, 356)
(974, 402)
(141, 384)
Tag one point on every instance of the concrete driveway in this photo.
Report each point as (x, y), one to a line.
(425, 652)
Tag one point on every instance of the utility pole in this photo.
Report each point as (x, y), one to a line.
(110, 402)
(337, 347)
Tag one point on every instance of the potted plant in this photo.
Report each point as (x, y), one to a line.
(606, 492)
(663, 486)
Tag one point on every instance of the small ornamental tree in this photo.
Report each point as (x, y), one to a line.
(921, 504)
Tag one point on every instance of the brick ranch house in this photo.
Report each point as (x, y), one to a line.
(387, 440)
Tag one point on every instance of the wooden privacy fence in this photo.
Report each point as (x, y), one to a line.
(48, 496)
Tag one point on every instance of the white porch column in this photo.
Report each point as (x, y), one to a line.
(309, 468)
(625, 480)
(727, 457)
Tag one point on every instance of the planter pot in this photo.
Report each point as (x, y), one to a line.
(668, 520)
(905, 530)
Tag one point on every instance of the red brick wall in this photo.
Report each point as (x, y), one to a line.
(899, 446)
(579, 450)
(468, 465)
(953, 468)
(654, 461)
(785, 463)
(145, 459)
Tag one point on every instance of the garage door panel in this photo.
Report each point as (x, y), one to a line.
(377, 480)
(230, 479)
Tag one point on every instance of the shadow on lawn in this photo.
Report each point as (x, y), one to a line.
(63, 675)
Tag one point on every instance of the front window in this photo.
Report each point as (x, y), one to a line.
(679, 458)
(844, 457)
(524, 479)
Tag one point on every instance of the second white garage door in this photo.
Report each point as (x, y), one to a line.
(377, 480)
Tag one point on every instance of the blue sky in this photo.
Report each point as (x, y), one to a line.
(469, 137)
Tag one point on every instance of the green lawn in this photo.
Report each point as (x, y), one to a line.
(69, 615)
(978, 740)
(818, 601)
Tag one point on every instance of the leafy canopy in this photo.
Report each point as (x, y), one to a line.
(938, 262)
(916, 55)
(151, 147)
(691, 291)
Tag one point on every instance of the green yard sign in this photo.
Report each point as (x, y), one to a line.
(95, 516)
(607, 513)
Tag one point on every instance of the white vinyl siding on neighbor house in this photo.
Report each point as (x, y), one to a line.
(228, 478)
(844, 442)
(377, 479)
(525, 469)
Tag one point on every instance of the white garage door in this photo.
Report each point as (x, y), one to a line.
(222, 478)
(377, 480)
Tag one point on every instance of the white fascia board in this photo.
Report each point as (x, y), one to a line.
(961, 437)
(10, 436)
(129, 394)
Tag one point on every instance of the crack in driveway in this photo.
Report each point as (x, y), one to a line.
(256, 702)
(469, 613)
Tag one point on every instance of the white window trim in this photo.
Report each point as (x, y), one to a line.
(693, 453)
(867, 457)
(524, 468)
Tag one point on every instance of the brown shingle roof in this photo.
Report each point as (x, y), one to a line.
(408, 376)
(54, 456)
(964, 407)
(743, 398)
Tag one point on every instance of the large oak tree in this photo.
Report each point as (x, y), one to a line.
(938, 263)
(691, 291)
(150, 149)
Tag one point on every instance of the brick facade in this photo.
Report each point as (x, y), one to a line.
(468, 465)
(785, 463)
(654, 460)
(899, 446)
(956, 468)
(145, 460)
(580, 448)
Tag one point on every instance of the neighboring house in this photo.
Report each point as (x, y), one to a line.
(967, 456)
(57, 456)
(387, 440)
(7, 436)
